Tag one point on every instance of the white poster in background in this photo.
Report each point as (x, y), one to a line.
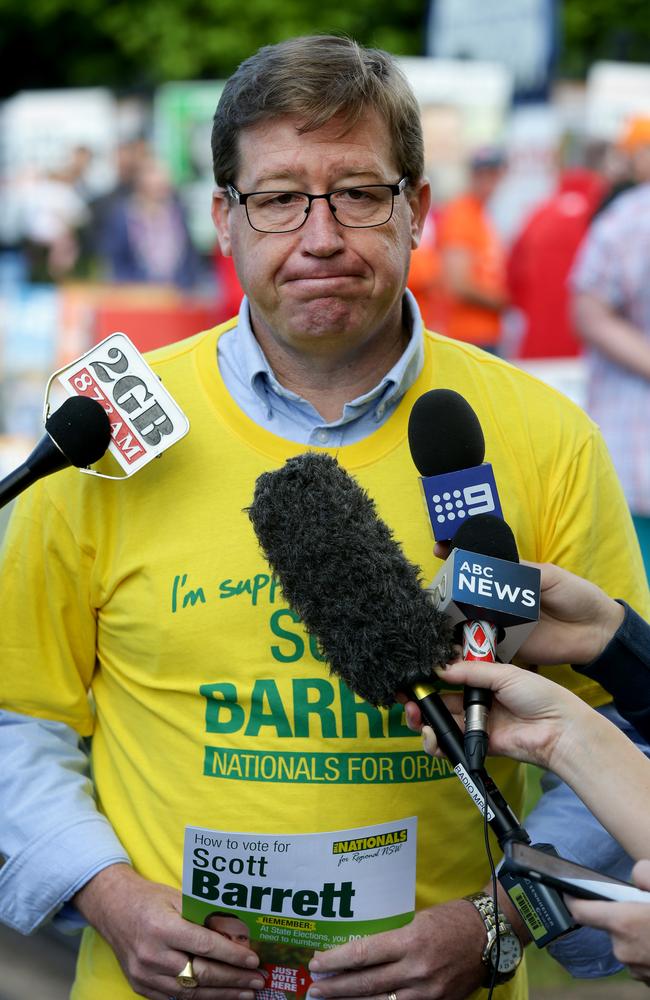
(39, 128)
(615, 92)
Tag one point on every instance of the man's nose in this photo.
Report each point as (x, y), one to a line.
(321, 233)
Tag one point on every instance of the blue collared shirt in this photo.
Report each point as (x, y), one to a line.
(253, 385)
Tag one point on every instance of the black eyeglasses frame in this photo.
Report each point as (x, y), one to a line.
(241, 198)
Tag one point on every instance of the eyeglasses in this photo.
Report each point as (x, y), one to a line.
(354, 207)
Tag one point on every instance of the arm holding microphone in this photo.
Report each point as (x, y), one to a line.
(537, 721)
(603, 639)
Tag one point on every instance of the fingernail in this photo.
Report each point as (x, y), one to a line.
(252, 961)
(315, 992)
(257, 984)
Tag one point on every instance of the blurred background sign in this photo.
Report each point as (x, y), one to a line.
(521, 35)
(182, 126)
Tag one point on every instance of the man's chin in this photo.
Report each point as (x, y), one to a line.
(327, 315)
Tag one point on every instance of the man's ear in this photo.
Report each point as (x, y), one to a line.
(221, 208)
(419, 198)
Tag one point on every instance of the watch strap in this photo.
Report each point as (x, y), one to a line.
(484, 904)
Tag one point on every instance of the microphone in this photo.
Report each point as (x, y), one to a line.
(78, 433)
(448, 448)
(492, 537)
(342, 571)
(346, 576)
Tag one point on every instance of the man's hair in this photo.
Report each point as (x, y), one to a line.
(315, 78)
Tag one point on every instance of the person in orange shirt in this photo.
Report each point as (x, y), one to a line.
(472, 258)
(424, 278)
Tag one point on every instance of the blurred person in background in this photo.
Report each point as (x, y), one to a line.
(472, 258)
(127, 158)
(51, 213)
(425, 280)
(540, 259)
(611, 308)
(618, 158)
(144, 237)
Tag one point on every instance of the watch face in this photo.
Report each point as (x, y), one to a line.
(509, 952)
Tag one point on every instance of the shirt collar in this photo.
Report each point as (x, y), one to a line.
(259, 374)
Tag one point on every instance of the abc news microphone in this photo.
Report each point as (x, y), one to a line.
(78, 433)
(483, 587)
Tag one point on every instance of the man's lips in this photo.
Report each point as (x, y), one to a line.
(321, 283)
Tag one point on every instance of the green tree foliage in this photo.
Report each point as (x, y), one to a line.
(137, 44)
(130, 44)
(603, 29)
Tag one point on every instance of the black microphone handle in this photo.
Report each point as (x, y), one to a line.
(44, 459)
(504, 823)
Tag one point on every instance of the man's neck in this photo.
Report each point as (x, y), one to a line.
(328, 380)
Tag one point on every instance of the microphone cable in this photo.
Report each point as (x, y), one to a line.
(493, 878)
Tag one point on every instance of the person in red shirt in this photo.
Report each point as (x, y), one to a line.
(472, 258)
(540, 260)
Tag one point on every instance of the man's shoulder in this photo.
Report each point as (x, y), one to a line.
(500, 390)
(178, 350)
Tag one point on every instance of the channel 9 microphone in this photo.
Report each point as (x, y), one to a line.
(494, 593)
(448, 448)
(78, 433)
(345, 575)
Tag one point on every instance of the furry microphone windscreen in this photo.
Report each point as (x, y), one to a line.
(342, 571)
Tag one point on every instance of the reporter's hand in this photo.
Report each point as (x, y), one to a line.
(577, 619)
(627, 923)
(437, 955)
(142, 923)
(531, 717)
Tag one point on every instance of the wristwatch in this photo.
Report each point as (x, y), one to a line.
(510, 950)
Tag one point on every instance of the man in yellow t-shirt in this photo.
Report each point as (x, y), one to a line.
(142, 614)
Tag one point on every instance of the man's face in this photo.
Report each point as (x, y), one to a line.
(230, 927)
(322, 283)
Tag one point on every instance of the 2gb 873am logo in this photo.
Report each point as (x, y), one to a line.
(125, 440)
(145, 419)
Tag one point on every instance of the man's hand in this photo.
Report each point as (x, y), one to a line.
(142, 923)
(577, 620)
(437, 955)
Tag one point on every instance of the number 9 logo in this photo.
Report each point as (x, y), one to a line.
(479, 499)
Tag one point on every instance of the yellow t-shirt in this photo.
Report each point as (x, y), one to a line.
(210, 705)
